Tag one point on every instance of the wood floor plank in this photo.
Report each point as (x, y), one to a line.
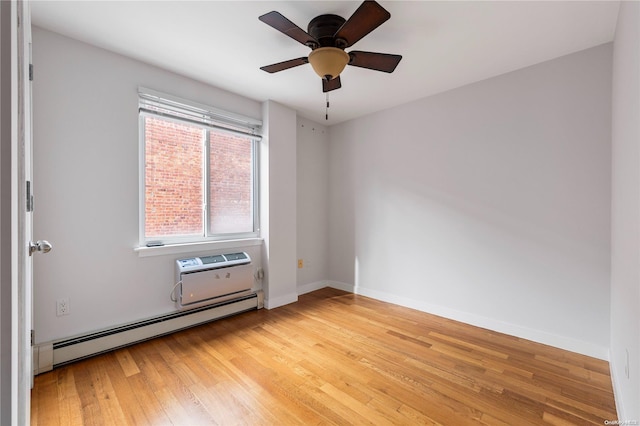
(147, 401)
(333, 358)
(45, 407)
(129, 367)
(105, 394)
(69, 400)
(90, 405)
(126, 396)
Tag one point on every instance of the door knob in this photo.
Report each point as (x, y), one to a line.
(42, 246)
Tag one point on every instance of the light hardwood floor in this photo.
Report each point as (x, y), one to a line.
(331, 358)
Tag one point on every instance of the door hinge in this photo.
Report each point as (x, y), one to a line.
(30, 72)
(33, 337)
(29, 198)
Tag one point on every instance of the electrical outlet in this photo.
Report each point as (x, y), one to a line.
(300, 263)
(62, 306)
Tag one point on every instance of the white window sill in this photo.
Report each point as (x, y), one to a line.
(144, 251)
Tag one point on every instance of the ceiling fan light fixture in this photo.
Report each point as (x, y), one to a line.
(328, 62)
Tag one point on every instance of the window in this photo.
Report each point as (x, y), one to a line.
(198, 174)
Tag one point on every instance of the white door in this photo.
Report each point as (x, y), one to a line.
(25, 207)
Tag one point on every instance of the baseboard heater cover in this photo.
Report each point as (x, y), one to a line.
(77, 348)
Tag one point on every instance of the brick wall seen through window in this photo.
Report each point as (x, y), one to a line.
(174, 176)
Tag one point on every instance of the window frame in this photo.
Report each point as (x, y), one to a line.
(214, 120)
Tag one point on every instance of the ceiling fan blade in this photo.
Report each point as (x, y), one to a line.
(330, 85)
(369, 16)
(374, 61)
(285, 26)
(281, 66)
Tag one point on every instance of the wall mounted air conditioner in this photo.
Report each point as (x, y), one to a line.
(212, 279)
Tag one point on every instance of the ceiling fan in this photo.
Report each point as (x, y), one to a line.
(328, 36)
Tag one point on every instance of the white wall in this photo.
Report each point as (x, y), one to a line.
(625, 232)
(488, 203)
(313, 205)
(86, 185)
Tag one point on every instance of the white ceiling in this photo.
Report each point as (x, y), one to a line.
(444, 44)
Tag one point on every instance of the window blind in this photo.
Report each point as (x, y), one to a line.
(171, 107)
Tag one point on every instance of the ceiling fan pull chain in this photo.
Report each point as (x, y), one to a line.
(326, 111)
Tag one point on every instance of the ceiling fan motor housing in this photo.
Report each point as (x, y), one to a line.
(324, 27)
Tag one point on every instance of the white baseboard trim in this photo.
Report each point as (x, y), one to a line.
(342, 286)
(308, 288)
(562, 342)
(617, 392)
(276, 302)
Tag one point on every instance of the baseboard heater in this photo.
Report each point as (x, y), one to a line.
(74, 349)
